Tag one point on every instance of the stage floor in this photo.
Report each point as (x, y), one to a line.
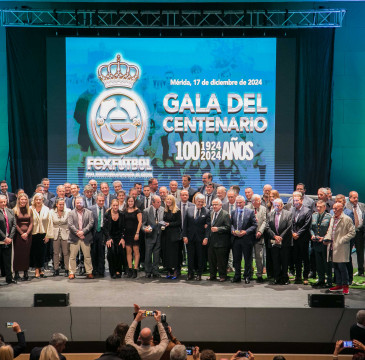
(164, 293)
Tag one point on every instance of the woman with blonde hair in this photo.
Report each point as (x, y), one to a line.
(42, 232)
(274, 194)
(59, 216)
(23, 236)
(49, 352)
(6, 352)
(171, 237)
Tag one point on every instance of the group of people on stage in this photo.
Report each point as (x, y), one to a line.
(210, 225)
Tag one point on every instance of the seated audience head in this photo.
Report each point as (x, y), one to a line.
(6, 352)
(49, 352)
(59, 341)
(360, 317)
(121, 331)
(178, 352)
(146, 336)
(207, 355)
(112, 343)
(128, 352)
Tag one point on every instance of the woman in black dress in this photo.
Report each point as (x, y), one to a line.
(113, 232)
(133, 223)
(171, 237)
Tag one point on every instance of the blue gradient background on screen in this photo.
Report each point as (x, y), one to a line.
(189, 59)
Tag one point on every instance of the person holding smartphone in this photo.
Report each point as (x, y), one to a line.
(19, 348)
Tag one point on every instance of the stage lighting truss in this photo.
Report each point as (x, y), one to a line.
(175, 19)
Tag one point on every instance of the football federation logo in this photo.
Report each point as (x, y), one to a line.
(118, 118)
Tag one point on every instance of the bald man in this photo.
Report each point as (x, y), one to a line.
(145, 350)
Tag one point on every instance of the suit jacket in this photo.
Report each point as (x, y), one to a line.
(202, 188)
(194, 229)
(148, 219)
(284, 229)
(191, 192)
(42, 223)
(221, 238)
(108, 200)
(94, 210)
(50, 195)
(93, 202)
(227, 207)
(212, 197)
(345, 231)
(180, 206)
(261, 217)
(302, 223)
(60, 224)
(87, 226)
(249, 224)
(12, 225)
(11, 196)
(143, 200)
(177, 198)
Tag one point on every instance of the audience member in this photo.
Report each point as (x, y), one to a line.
(49, 353)
(58, 341)
(19, 348)
(112, 347)
(357, 331)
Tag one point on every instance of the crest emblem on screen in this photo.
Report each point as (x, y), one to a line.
(118, 117)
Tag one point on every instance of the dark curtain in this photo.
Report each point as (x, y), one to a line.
(26, 57)
(313, 130)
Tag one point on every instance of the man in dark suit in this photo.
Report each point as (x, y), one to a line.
(98, 247)
(210, 195)
(89, 200)
(358, 208)
(280, 241)
(151, 218)
(19, 348)
(75, 192)
(147, 197)
(301, 223)
(10, 197)
(47, 194)
(7, 233)
(40, 190)
(243, 229)
(104, 188)
(219, 241)
(207, 178)
(186, 180)
(60, 194)
(196, 229)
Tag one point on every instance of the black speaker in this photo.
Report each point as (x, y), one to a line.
(51, 300)
(326, 300)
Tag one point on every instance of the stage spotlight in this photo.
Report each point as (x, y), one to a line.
(56, 33)
(77, 33)
(139, 33)
(160, 33)
(180, 33)
(264, 33)
(201, 34)
(222, 34)
(118, 33)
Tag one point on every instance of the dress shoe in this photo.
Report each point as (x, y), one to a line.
(247, 280)
(212, 278)
(260, 279)
(222, 279)
(12, 281)
(17, 276)
(236, 280)
(198, 278)
(274, 282)
(156, 276)
(42, 275)
(56, 273)
(114, 276)
(71, 276)
(81, 270)
(135, 274)
(285, 282)
(89, 276)
(190, 277)
(66, 273)
(148, 276)
(319, 284)
(298, 281)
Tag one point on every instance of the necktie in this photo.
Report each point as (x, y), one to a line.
(7, 222)
(240, 219)
(214, 218)
(356, 216)
(99, 220)
(230, 211)
(147, 203)
(197, 214)
(277, 222)
(107, 202)
(156, 216)
(208, 200)
(183, 213)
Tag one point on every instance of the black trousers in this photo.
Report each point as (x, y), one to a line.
(242, 247)
(280, 256)
(98, 253)
(38, 250)
(323, 267)
(301, 256)
(195, 257)
(5, 256)
(359, 244)
(269, 262)
(218, 260)
(116, 258)
(312, 259)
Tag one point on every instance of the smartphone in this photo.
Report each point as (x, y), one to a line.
(243, 354)
(9, 325)
(189, 350)
(150, 313)
(348, 344)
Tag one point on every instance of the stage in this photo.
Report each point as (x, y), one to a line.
(198, 311)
